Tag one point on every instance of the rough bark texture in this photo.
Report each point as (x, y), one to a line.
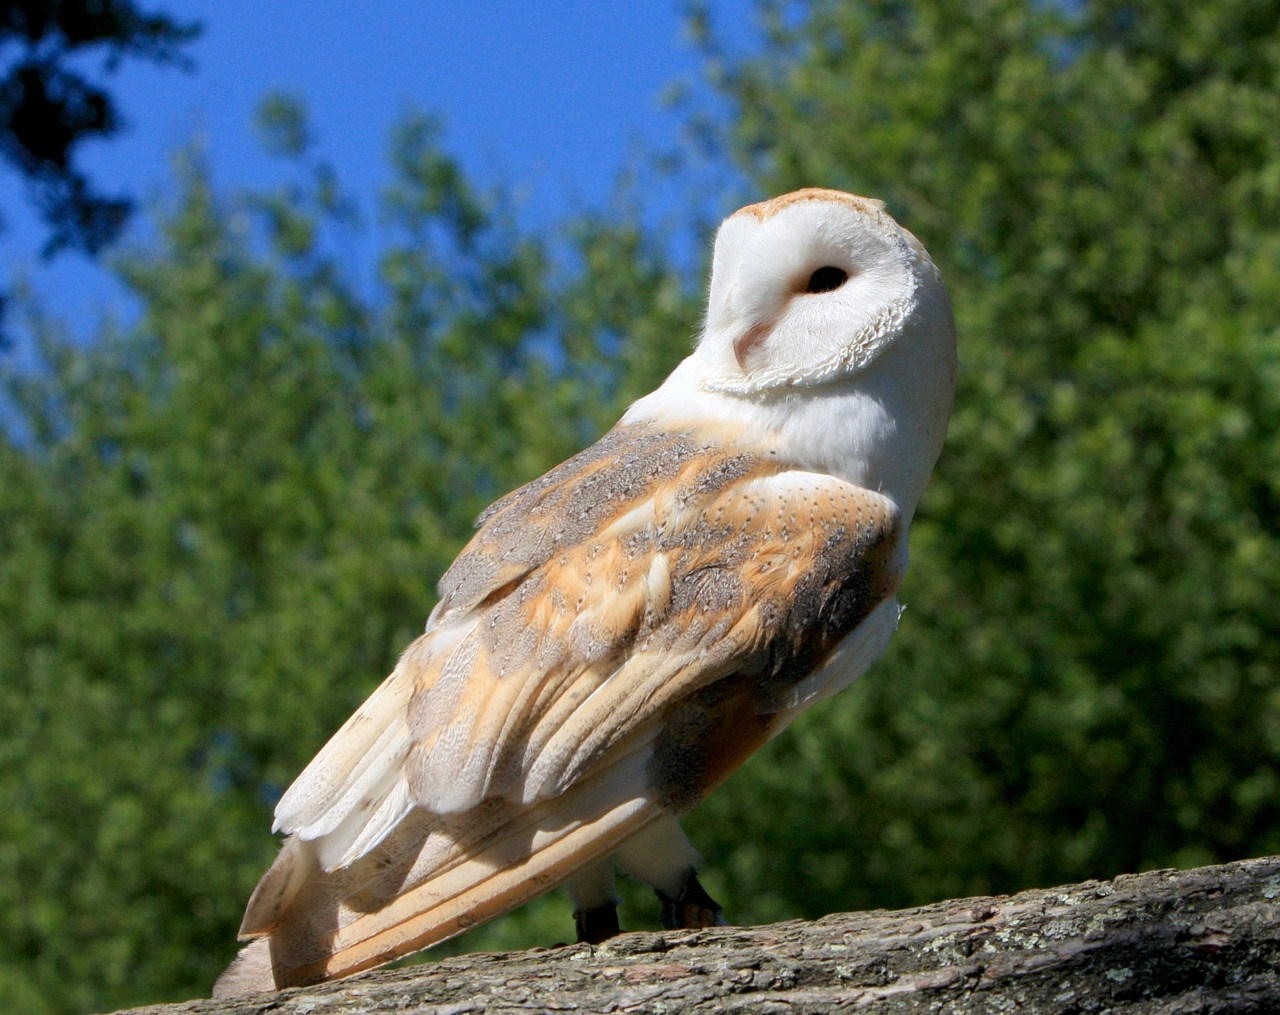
(1204, 940)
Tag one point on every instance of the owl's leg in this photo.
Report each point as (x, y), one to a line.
(595, 904)
(663, 857)
(691, 907)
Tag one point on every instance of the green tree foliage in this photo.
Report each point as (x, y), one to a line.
(221, 524)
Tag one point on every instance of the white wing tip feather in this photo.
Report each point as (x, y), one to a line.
(353, 840)
(358, 777)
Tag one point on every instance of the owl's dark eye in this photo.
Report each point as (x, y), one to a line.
(825, 279)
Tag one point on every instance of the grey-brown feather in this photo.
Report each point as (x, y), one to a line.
(709, 518)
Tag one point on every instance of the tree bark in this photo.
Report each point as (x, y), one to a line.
(1205, 940)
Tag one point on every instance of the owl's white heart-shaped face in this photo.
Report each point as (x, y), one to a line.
(807, 289)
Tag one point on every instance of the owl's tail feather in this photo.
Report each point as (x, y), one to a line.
(431, 879)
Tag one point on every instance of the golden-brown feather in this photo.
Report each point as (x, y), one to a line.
(614, 641)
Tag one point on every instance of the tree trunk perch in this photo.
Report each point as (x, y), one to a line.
(1205, 940)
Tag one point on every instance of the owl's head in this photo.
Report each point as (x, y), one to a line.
(810, 288)
(829, 336)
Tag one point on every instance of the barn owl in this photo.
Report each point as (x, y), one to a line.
(622, 633)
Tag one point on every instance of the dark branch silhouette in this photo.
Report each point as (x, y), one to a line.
(49, 104)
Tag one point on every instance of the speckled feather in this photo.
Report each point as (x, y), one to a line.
(643, 569)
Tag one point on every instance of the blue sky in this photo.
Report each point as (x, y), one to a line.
(548, 98)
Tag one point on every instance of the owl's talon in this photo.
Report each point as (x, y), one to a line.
(597, 924)
(692, 908)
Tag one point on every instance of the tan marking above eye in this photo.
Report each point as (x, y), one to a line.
(766, 209)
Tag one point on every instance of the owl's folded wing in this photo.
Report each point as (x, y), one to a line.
(617, 638)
